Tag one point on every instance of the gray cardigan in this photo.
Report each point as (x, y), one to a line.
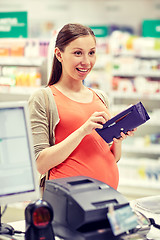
(43, 129)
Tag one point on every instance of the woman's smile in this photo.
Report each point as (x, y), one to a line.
(83, 70)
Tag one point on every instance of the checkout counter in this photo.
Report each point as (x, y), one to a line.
(81, 211)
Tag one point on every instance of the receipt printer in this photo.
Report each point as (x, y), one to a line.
(80, 205)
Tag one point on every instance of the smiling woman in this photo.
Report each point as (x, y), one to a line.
(66, 143)
(77, 61)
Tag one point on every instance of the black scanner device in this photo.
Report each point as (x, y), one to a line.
(80, 206)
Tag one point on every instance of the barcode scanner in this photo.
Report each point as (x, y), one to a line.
(38, 219)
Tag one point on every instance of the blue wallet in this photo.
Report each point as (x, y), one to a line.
(125, 121)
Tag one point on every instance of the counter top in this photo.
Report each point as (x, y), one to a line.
(153, 234)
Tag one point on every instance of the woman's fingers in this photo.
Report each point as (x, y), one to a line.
(101, 114)
(99, 118)
(96, 120)
(124, 136)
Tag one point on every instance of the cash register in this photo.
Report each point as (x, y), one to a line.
(80, 206)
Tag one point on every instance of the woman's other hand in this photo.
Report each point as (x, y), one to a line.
(124, 136)
(96, 120)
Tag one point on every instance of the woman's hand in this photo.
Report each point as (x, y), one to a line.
(124, 136)
(117, 143)
(96, 120)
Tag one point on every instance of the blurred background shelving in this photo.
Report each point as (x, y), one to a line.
(131, 73)
(23, 64)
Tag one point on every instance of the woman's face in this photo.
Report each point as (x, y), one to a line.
(78, 58)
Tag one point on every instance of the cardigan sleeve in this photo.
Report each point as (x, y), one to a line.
(43, 129)
(39, 122)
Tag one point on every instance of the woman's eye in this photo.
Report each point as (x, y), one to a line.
(78, 53)
(92, 53)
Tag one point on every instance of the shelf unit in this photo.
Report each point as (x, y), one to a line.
(132, 74)
(143, 177)
(15, 93)
(36, 69)
(144, 152)
(23, 67)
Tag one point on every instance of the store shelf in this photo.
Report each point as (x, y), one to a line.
(153, 123)
(17, 89)
(22, 61)
(140, 183)
(142, 54)
(133, 95)
(139, 177)
(15, 93)
(152, 149)
(151, 74)
(133, 192)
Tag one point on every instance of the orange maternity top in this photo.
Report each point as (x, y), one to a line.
(92, 157)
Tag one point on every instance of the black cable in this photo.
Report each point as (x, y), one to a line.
(1, 214)
(153, 223)
(18, 232)
(8, 229)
